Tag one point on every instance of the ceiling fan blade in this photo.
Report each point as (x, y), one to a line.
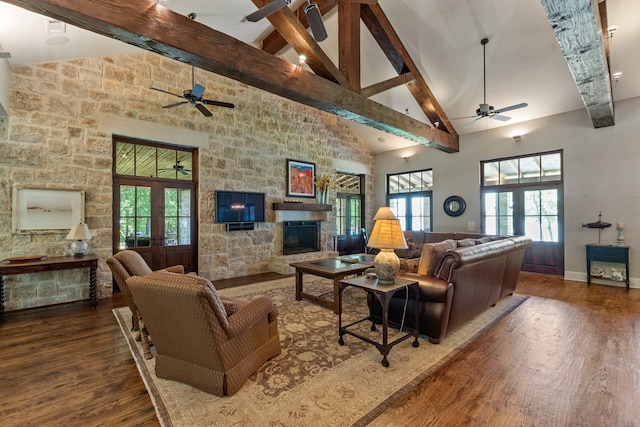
(513, 107)
(267, 10)
(197, 91)
(204, 110)
(314, 17)
(175, 104)
(472, 122)
(184, 171)
(168, 93)
(501, 118)
(218, 103)
(464, 117)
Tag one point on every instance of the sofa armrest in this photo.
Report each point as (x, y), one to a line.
(431, 288)
(257, 310)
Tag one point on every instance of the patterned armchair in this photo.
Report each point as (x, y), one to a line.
(201, 341)
(123, 265)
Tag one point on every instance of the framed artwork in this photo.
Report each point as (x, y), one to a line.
(46, 211)
(301, 178)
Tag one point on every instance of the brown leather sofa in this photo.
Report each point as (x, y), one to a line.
(458, 280)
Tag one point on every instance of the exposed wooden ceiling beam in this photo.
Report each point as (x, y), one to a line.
(578, 30)
(374, 89)
(290, 28)
(155, 28)
(349, 42)
(389, 41)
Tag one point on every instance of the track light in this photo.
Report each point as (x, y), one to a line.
(314, 17)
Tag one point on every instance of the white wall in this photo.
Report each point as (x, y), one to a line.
(4, 87)
(601, 174)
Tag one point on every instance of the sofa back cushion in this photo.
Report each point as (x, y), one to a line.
(431, 254)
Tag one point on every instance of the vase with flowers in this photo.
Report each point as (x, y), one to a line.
(323, 183)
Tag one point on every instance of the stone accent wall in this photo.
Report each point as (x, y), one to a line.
(52, 140)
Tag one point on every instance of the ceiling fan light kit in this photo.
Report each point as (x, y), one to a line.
(314, 17)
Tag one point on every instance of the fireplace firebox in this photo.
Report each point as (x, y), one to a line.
(300, 237)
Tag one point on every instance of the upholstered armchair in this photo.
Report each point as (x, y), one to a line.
(199, 339)
(123, 265)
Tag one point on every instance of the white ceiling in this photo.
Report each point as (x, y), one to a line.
(524, 61)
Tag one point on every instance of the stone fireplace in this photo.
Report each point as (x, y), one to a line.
(300, 237)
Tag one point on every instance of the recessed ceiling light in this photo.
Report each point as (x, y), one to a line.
(381, 139)
(56, 40)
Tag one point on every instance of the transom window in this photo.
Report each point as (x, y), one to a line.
(136, 159)
(410, 182)
(543, 167)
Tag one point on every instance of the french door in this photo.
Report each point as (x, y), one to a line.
(156, 219)
(349, 224)
(535, 211)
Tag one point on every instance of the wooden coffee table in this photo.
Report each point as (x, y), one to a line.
(332, 268)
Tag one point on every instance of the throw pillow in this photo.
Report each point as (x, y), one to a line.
(431, 254)
(466, 242)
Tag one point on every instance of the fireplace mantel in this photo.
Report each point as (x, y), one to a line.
(290, 206)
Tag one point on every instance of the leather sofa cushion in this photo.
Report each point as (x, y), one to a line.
(431, 254)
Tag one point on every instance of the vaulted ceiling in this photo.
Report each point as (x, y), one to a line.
(404, 68)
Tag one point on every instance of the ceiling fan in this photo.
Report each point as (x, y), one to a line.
(178, 167)
(486, 110)
(194, 97)
(311, 10)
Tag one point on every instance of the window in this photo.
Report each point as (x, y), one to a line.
(141, 160)
(349, 209)
(521, 195)
(409, 197)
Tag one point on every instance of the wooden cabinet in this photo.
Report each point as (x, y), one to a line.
(609, 254)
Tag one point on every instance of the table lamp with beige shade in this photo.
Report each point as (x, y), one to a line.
(79, 233)
(386, 236)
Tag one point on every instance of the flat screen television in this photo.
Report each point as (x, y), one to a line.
(239, 206)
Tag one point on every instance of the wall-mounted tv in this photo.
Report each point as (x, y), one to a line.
(239, 206)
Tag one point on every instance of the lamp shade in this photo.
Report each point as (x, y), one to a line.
(386, 233)
(79, 232)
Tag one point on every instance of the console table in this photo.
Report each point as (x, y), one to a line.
(51, 264)
(607, 253)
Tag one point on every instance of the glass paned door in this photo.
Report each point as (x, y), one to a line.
(532, 211)
(156, 219)
(541, 215)
(498, 208)
(177, 216)
(135, 216)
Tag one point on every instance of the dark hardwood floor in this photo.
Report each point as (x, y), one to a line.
(570, 355)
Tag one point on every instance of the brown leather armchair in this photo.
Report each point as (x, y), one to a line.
(123, 265)
(199, 340)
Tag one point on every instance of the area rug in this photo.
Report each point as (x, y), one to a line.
(315, 381)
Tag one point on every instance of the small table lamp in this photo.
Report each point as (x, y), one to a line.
(386, 236)
(79, 233)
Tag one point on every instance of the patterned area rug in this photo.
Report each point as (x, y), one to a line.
(315, 381)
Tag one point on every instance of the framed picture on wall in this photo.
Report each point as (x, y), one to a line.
(301, 177)
(45, 210)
